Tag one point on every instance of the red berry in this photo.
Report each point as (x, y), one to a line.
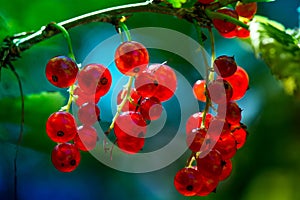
(240, 135)
(131, 58)
(195, 120)
(223, 26)
(86, 139)
(226, 145)
(188, 181)
(210, 184)
(65, 157)
(246, 10)
(61, 127)
(225, 66)
(94, 79)
(146, 83)
(226, 170)
(167, 81)
(61, 71)
(197, 141)
(199, 90)
(231, 34)
(89, 113)
(231, 112)
(220, 91)
(217, 128)
(242, 32)
(81, 97)
(132, 103)
(211, 164)
(130, 129)
(206, 1)
(151, 108)
(239, 82)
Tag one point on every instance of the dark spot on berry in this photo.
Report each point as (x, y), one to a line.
(60, 133)
(73, 162)
(54, 78)
(189, 188)
(136, 70)
(103, 81)
(223, 163)
(155, 82)
(62, 164)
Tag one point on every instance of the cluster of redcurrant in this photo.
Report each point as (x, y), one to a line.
(243, 12)
(94, 81)
(153, 84)
(214, 140)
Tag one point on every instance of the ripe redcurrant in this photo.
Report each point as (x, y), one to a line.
(81, 97)
(206, 1)
(146, 83)
(220, 91)
(167, 81)
(61, 127)
(225, 66)
(210, 184)
(151, 108)
(246, 10)
(196, 140)
(89, 113)
(211, 164)
(133, 102)
(240, 135)
(61, 71)
(94, 79)
(195, 121)
(131, 58)
(226, 171)
(223, 26)
(86, 139)
(199, 89)
(232, 113)
(226, 145)
(65, 157)
(188, 181)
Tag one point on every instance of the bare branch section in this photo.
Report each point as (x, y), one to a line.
(13, 46)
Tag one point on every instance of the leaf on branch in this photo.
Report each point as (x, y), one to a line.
(280, 49)
(38, 107)
(250, 1)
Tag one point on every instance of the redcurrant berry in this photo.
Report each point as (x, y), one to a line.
(167, 81)
(246, 10)
(199, 90)
(210, 184)
(188, 181)
(220, 91)
(61, 71)
(61, 127)
(206, 1)
(65, 157)
(146, 83)
(89, 113)
(226, 145)
(226, 170)
(231, 112)
(131, 58)
(132, 104)
(211, 164)
(195, 121)
(81, 98)
(223, 26)
(240, 135)
(94, 79)
(151, 108)
(86, 139)
(225, 66)
(239, 82)
(197, 141)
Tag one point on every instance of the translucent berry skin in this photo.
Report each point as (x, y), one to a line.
(226, 170)
(167, 81)
(246, 10)
(240, 135)
(61, 127)
(86, 139)
(65, 157)
(221, 25)
(197, 141)
(242, 33)
(211, 164)
(226, 145)
(225, 66)
(129, 105)
(146, 84)
(89, 113)
(199, 89)
(131, 58)
(188, 181)
(220, 91)
(61, 71)
(239, 82)
(231, 112)
(210, 184)
(82, 98)
(94, 79)
(206, 1)
(151, 108)
(130, 130)
(195, 120)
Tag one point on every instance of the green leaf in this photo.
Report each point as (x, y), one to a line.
(38, 107)
(280, 50)
(250, 1)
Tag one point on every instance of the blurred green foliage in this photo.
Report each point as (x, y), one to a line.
(266, 168)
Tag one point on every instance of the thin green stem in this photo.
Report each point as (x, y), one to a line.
(67, 37)
(70, 100)
(217, 15)
(126, 30)
(122, 104)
